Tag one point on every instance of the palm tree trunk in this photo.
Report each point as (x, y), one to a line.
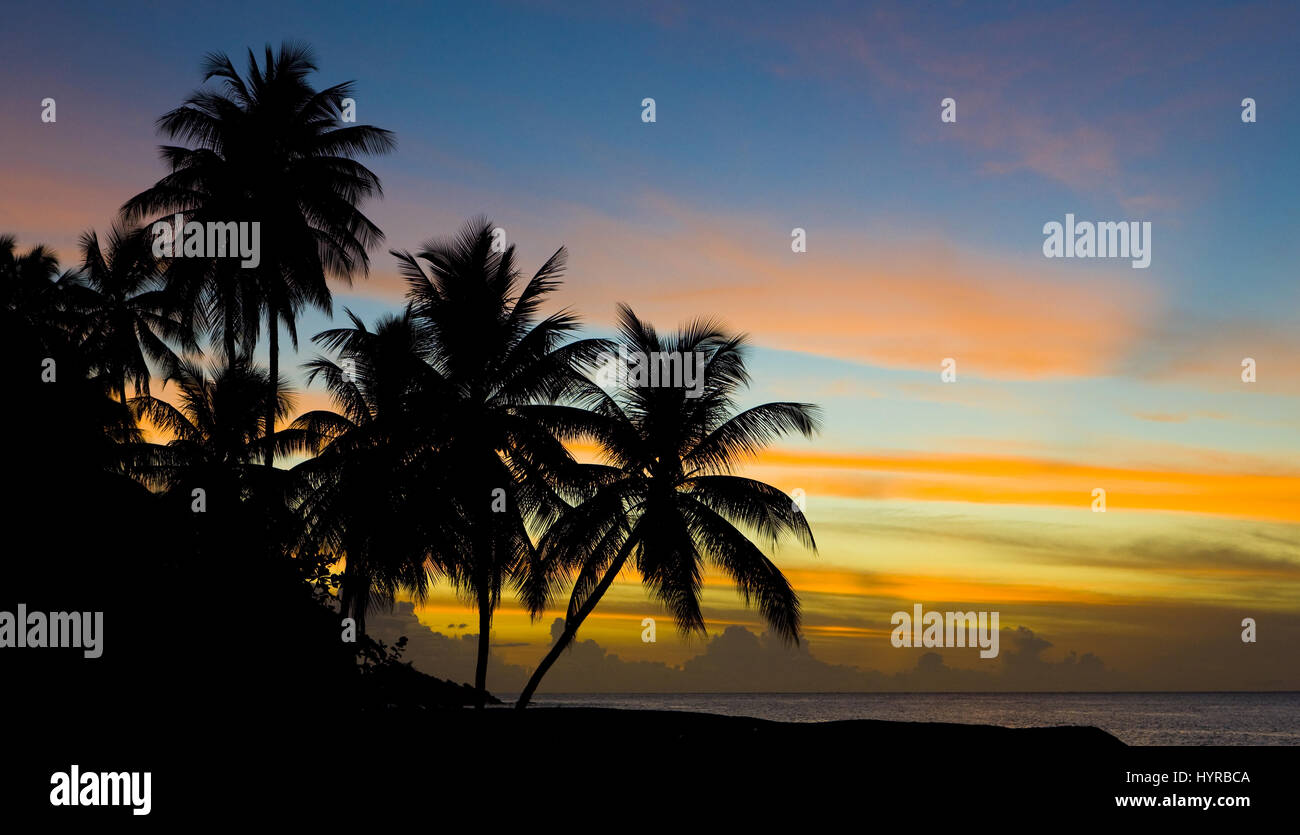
(571, 625)
(273, 344)
(566, 638)
(484, 636)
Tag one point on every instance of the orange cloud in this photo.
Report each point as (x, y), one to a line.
(902, 303)
(988, 479)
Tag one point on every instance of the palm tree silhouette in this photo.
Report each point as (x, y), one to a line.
(667, 501)
(217, 429)
(499, 371)
(267, 149)
(34, 296)
(68, 420)
(372, 492)
(129, 311)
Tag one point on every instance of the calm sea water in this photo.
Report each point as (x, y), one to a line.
(1136, 718)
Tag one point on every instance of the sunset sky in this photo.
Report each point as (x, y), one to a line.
(924, 243)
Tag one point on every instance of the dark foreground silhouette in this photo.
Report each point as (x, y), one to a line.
(625, 730)
(613, 768)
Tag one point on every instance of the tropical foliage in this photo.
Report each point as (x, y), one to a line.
(446, 455)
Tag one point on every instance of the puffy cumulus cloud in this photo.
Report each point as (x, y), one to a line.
(1020, 666)
(586, 667)
(445, 656)
(738, 660)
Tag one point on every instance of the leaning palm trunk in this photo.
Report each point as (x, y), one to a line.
(571, 624)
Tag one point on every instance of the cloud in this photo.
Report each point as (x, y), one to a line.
(1178, 417)
(447, 657)
(1042, 104)
(1207, 351)
(1241, 486)
(737, 660)
(891, 299)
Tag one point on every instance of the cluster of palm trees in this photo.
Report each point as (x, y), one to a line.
(447, 455)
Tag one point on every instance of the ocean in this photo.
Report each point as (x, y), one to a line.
(1135, 718)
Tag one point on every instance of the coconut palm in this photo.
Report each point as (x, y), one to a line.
(119, 289)
(667, 501)
(34, 295)
(217, 428)
(267, 149)
(68, 419)
(500, 372)
(372, 494)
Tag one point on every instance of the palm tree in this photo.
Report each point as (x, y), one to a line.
(498, 371)
(267, 149)
(34, 295)
(120, 290)
(367, 492)
(216, 429)
(667, 500)
(72, 425)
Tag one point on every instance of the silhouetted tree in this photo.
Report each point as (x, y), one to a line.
(500, 372)
(120, 292)
(34, 297)
(269, 149)
(667, 501)
(217, 430)
(375, 493)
